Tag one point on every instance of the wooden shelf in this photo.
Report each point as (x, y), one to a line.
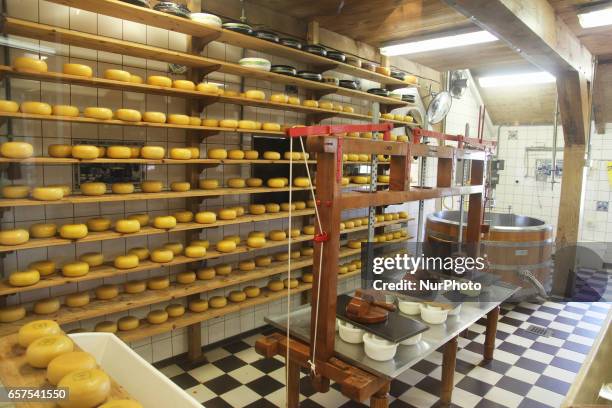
(64, 36)
(125, 302)
(211, 162)
(80, 199)
(115, 122)
(155, 18)
(149, 230)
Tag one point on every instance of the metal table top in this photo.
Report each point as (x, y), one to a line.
(406, 356)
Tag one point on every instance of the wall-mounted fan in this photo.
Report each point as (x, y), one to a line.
(458, 83)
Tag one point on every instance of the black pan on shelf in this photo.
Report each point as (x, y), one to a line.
(336, 56)
(239, 28)
(267, 35)
(284, 69)
(141, 3)
(290, 42)
(315, 49)
(398, 75)
(378, 91)
(348, 83)
(172, 8)
(312, 76)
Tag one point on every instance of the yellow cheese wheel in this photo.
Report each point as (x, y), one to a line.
(27, 277)
(272, 208)
(294, 100)
(256, 242)
(252, 291)
(207, 88)
(210, 123)
(279, 98)
(158, 283)
(59, 150)
(294, 233)
(257, 234)
(227, 214)
(65, 110)
(293, 283)
(246, 266)
(92, 259)
(247, 124)
(86, 152)
(183, 84)
(186, 277)
(234, 154)
(326, 105)
(15, 191)
(162, 255)
(14, 237)
(217, 302)
(28, 64)
(152, 152)
(194, 251)
(75, 269)
(126, 261)
(180, 153)
(140, 252)
(217, 154)
(151, 186)
(78, 70)
(354, 244)
(271, 126)
(299, 205)
(301, 182)
(183, 216)
(8, 106)
(235, 238)
(128, 115)
(226, 246)
(342, 269)
(11, 314)
(236, 183)
(198, 305)
(46, 306)
(98, 224)
(175, 247)
(117, 75)
(195, 152)
(311, 103)
(286, 207)
(230, 93)
(86, 388)
(277, 235)
(237, 296)
(93, 188)
(44, 268)
(307, 277)
(73, 231)
(159, 80)
(136, 79)
(118, 152)
(263, 260)
(135, 286)
(255, 94)
(206, 273)
(275, 285)
(122, 188)
(41, 351)
(127, 323)
(205, 217)
(164, 222)
(276, 183)
(199, 242)
(77, 299)
(180, 186)
(36, 329)
(348, 109)
(228, 123)
(306, 251)
(257, 209)
(154, 117)
(106, 292)
(95, 112)
(178, 119)
(16, 150)
(271, 155)
(38, 108)
(309, 229)
(66, 363)
(157, 316)
(388, 217)
(66, 190)
(43, 230)
(106, 327)
(175, 310)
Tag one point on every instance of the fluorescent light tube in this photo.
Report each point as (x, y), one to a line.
(596, 18)
(440, 43)
(529, 78)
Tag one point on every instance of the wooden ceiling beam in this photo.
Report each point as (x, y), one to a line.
(531, 28)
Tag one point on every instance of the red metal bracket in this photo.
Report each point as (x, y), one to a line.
(327, 130)
(461, 140)
(321, 237)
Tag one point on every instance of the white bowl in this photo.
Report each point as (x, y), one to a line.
(433, 314)
(350, 333)
(206, 18)
(409, 308)
(378, 349)
(411, 341)
(261, 64)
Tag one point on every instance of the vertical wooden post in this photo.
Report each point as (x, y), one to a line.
(491, 332)
(381, 398)
(444, 176)
(449, 360)
(312, 36)
(293, 384)
(399, 172)
(475, 209)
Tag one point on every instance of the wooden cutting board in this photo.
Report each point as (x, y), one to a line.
(15, 372)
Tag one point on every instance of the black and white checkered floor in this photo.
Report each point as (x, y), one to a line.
(529, 371)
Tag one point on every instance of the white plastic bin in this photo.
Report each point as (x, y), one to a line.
(140, 379)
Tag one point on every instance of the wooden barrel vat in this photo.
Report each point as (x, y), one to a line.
(513, 244)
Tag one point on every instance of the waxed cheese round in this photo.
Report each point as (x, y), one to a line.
(136, 286)
(106, 292)
(118, 152)
(29, 64)
(36, 329)
(27, 277)
(175, 310)
(78, 70)
(127, 323)
(95, 112)
(183, 216)
(44, 268)
(205, 217)
(85, 152)
(15, 191)
(208, 184)
(8, 106)
(180, 186)
(217, 302)
(194, 251)
(151, 186)
(217, 154)
(271, 155)
(42, 350)
(86, 388)
(73, 231)
(178, 119)
(16, 150)
(77, 299)
(59, 150)
(226, 246)
(11, 314)
(93, 188)
(43, 230)
(66, 363)
(180, 153)
(164, 222)
(122, 188)
(157, 316)
(117, 75)
(37, 108)
(140, 252)
(159, 80)
(154, 117)
(126, 261)
(14, 237)
(206, 273)
(158, 283)
(162, 255)
(75, 269)
(198, 305)
(65, 110)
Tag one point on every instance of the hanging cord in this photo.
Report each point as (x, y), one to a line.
(289, 264)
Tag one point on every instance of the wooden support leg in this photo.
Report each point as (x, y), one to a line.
(293, 397)
(489, 345)
(194, 343)
(448, 371)
(381, 398)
